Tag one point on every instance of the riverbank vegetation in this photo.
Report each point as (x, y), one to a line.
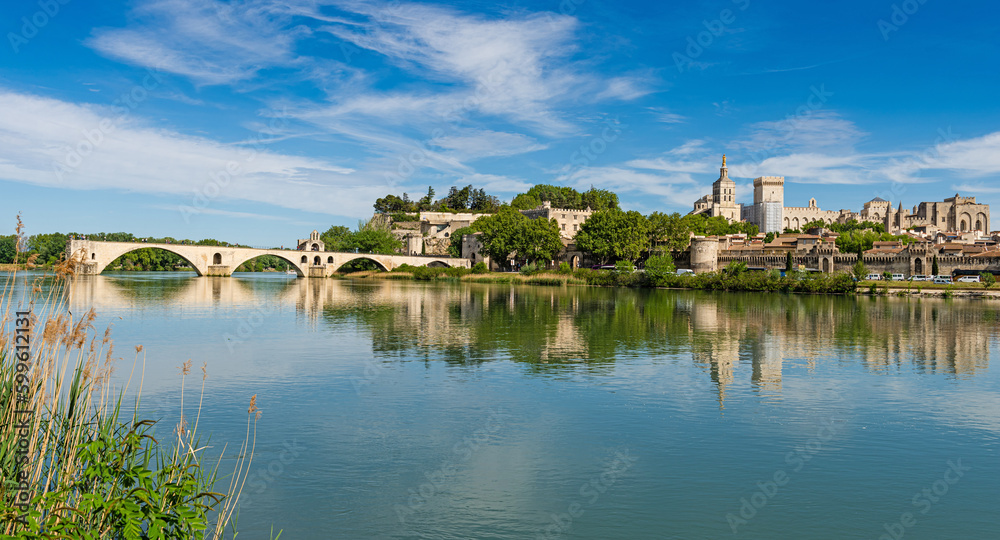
(659, 273)
(77, 459)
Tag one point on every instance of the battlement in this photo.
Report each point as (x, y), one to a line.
(769, 180)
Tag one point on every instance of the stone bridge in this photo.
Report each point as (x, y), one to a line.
(93, 257)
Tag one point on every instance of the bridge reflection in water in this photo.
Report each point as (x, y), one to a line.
(736, 339)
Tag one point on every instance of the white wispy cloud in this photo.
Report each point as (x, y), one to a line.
(518, 67)
(818, 131)
(670, 190)
(969, 158)
(690, 157)
(83, 147)
(474, 144)
(207, 41)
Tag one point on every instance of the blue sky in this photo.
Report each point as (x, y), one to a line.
(258, 121)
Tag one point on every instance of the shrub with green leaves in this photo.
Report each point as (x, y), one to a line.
(660, 269)
(480, 268)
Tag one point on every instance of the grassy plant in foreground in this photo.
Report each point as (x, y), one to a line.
(74, 463)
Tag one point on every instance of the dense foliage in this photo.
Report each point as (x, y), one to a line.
(566, 197)
(509, 232)
(852, 225)
(458, 200)
(614, 235)
(858, 241)
(8, 249)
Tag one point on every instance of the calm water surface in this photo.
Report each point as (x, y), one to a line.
(454, 411)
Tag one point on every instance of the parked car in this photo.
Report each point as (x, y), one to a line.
(874, 277)
(682, 271)
(898, 277)
(921, 278)
(942, 280)
(969, 279)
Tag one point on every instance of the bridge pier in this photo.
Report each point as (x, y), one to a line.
(219, 270)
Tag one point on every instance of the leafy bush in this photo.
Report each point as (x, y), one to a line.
(659, 269)
(531, 269)
(480, 268)
(425, 273)
(457, 272)
(564, 268)
(624, 267)
(403, 216)
(988, 279)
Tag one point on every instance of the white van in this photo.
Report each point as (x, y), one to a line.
(874, 277)
(898, 277)
(969, 279)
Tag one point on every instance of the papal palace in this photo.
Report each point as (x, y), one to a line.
(955, 231)
(768, 211)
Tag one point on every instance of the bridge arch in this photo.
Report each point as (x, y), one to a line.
(438, 264)
(118, 253)
(382, 266)
(298, 268)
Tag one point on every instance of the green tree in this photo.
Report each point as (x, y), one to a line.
(599, 199)
(458, 199)
(887, 276)
(427, 201)
(8, 249)
(524, 201)
(391, 204)
(374, 237)
(539, 240)
(336, 238)
(614, 235)
(988, 279)
(789, 263)
(49, 247)
(860, 270)
(659, 268)
(935, 269)
(501, 234)
(559, 196)
(481, 202)
(668, 231)
(735, 268)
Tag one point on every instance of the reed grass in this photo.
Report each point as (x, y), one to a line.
(90, 466)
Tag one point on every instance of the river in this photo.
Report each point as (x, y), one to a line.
(397, 409)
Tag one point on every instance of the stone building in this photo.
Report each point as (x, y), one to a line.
(722, 200)
(569, 220)
(313, 243)
(955, 214)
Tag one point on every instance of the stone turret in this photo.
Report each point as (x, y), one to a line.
(704, 254)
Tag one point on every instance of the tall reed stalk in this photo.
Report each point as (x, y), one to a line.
(74, 463)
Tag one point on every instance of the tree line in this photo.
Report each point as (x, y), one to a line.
(610, 235)
(470, 199)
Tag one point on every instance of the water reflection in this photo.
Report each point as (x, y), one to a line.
(557, 328)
